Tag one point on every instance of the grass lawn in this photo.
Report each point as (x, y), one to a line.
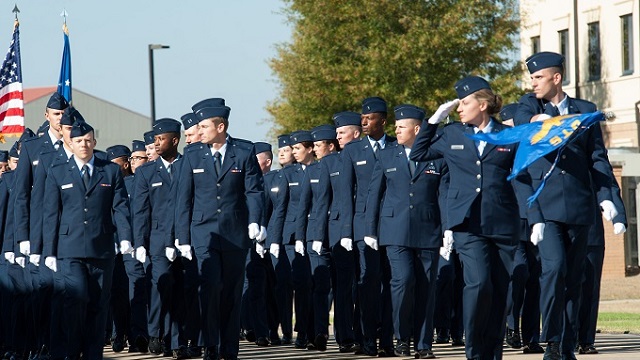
(619, 322)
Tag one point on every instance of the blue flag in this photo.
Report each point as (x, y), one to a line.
(64, 82)
(539, 138)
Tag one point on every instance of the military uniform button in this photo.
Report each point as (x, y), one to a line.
(478, 176)
(477, 190)
(219, 211)
(563, 172)
(478, 162)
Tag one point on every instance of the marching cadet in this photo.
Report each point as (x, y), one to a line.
(138, 155)
(403, 214)
(153, 215)
(312, 229)
(13, 156)
(358, 160)
(91, 189)
(149, 139)
(4, 161)
(561, 216)
(481, 211)
(285, 151)
(220, 193)
(190, 124)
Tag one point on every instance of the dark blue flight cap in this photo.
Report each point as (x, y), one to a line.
(71, 116)
(373, 105)
(284, 140)
(26, 134)
(469, 85)
(323, 132)
(211, 112)
(543, 60)
(166, 125)
(43, 128)
(137, 145)
(347, 118)
(13, 152)
(300, 136)
(4, 156)
(188, 120)
(57, 101)
(149, 137)
(80, 128)
(508, 111)
(408, 111)
(212, 102)
(116, 151)
(261, 147)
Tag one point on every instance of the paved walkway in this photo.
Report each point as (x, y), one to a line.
(611, 346)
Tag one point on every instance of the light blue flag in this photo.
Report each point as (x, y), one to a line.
(64, 82)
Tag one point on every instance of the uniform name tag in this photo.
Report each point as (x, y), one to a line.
(156, 184)
(315, 181)
(35, 162)
(504, 149)
(275, 189)
(198, 171)
(363, 162)
(236, 170)
(105, 185)
(66, 186)
(391, 169)
(457, 147)
(294, 184)
(335, 173)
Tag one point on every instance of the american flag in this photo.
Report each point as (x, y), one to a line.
(11, 96)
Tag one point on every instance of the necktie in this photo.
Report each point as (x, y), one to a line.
(376, 147)
(412, 167)
(85, 176)
(57, 144)
(170, 171)
(551, 110)
(479, 143)
(216, 163)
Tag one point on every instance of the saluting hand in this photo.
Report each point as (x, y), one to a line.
(443, 111)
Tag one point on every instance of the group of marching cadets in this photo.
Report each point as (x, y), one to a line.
(393, 238)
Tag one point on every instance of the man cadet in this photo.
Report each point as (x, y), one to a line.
(358, 160)
(220, 194)
(150, 149)
(561, 216)
(403, 214)
(153, 215)
(190, 124)
(4, 161)
(138, 155)
(83, 200)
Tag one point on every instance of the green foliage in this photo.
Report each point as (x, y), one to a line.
(402, 50)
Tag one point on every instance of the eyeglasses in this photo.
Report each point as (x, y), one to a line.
(138, 158)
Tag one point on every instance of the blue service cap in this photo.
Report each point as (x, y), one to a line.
(166, 125)
(300, 136)
(212, 102)
(26, 134)
(57, 101)
(373, 105)
(469, 85)
(323, 132)
(261, 147)
(43, 128)
(13, 152)
(408, 111)
(116, 151)
(345, 118)
(80, 128)
(4, 156)
(211, 112)
(71, 116)
(543, 60)
(284, 140)
(149, 137)
(188, 120)
(137, 145)
(508, 111)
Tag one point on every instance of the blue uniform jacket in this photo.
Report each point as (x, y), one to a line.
(6, 212)
(315, 199)
(290, 186)
(276, 222)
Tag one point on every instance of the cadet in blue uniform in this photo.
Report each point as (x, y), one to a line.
(220, 193)
(403, 215)
(149, 140)
(358, 160)
(561, 216)
(90, 190)
(138, 155)
(481, 211)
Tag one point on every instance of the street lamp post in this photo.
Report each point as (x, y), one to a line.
(151, 80)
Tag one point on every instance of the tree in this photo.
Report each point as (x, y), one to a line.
(402, 50)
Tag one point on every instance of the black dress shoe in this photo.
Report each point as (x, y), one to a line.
(532, 348)
(402, 349)
(552, 352)
(250, 335)
(442, 336)
(180, 353)
(348, 347)
(286, 339)
(457, 342)
(155, 346)
(386, 352)
(366, 350)
(587, 349)
(568, 356)
(275, 341)
(321, 342)
(301, 341)
(117, 344)
(211, 353)
(262, 341)
(513, 339)
(242, 336)
(425, 354)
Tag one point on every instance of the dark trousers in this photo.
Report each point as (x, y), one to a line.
(283, 292)
(87, 290)
(385, 322)
(161, 293)
(320, 289)
(413, 285)
(254, 301)
(191, 303)
(119, 301)
(523, 302)
(59, 334)
(448, 306)
(221, 276)
(301, 284)
(562, 254)
(138, 297)
(590, 295)
(343, 310)
(369, 292)
(487, 262)
(17, 312)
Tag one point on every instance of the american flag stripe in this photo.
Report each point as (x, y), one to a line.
(11, 94)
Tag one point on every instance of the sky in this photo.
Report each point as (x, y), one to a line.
(217, 49)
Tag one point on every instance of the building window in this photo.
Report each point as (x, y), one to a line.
(535, 45)
(563, 37)
(626, 22)
(594, 51)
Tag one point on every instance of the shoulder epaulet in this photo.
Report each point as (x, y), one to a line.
(193, 146)
(146, 165)
(329, 156)
(28, 140)
(242, 143)
(353, 142)
(188, 146)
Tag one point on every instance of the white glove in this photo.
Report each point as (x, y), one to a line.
(543, 117)
(445, 252)
(619, 228)
(254, 231)
(300, 247)
(125, 247)
(274, 249)
(537, 233)
(22, 261)
(347, 244)
(170, 253)
(51, 263)
(260, 250)
(25, 247)
(371, 242)
(317, 246)
(141, 254)
(609, 211)
(185, 251)
(447, 240)
(34, 259)
(443, 111)
(10, 257)
(262, 235)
